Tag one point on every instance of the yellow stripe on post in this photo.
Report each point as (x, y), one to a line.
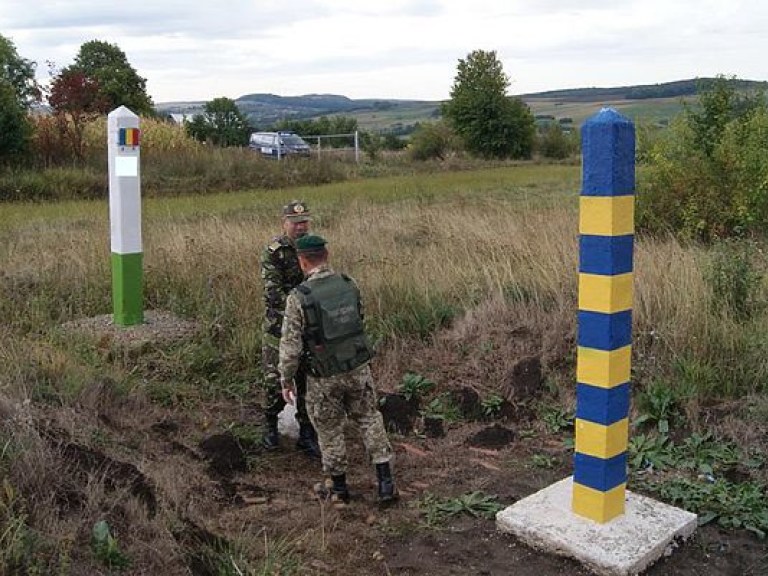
(601, 441)
(596, 505)
(608, 294)
(602, 368)
(607, 215)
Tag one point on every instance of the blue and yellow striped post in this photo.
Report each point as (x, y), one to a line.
(125, 216)
(606, 228)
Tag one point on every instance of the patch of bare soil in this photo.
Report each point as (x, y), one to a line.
(183, 495)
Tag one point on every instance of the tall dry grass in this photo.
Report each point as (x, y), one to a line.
(424, 249)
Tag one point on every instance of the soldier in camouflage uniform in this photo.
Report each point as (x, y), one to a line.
(324, 320)
(281, 273)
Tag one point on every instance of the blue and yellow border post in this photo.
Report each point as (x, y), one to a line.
(606, 239)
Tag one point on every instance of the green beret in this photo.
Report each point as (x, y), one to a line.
(310, 243)
(297, 211)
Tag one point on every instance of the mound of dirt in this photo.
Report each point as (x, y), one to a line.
(224, 454)
(493, 437)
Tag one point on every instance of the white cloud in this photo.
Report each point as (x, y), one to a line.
(401, 48)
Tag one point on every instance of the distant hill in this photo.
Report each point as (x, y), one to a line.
(654, 103)
(640, 92)
(264, 110)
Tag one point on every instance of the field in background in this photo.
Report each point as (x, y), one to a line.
(645, 111)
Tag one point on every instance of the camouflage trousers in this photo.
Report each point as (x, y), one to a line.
(273, 394)
(333, 400)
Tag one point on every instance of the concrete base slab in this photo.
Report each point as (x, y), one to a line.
(622, 547)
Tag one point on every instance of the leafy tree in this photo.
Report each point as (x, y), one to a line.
(76, 99)
(19, 73)
(119, 83)
(198, 128)
(719, 103)
(221, 123)
(491, 124)
(14, 125)
(18, 90)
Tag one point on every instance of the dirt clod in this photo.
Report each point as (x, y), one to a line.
(523, 380)
(399, 413)
(494, 436)
(433, 427)
(224, 453)
(468, 402)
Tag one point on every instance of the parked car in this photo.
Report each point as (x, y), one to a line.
(278, 144)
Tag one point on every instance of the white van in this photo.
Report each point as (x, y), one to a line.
(278, 144)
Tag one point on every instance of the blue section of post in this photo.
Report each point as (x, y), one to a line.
(604, 319)
(608, 146)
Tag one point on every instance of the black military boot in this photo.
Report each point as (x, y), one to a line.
(271, 438)
(387, 491)
(307, 441)
(334, 490)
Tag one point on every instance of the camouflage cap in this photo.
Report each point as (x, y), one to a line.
(310, 243)
(296, 211)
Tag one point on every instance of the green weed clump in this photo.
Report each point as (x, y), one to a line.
(415, 386)
(694, 474)
(437, 510)
(730, 505)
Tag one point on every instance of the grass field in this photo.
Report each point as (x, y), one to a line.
(462, 273)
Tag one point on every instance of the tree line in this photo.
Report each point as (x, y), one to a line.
(479, 118)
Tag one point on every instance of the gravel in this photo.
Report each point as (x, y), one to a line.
(159, 327)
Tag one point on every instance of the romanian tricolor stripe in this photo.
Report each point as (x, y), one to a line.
(128, 137)
(606, 228)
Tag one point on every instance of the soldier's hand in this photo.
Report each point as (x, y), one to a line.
(289, 391)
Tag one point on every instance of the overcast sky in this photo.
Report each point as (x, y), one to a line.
(194, 50)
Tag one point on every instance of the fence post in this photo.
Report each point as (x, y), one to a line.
(125, 216)
(357, 147)
(606, 229)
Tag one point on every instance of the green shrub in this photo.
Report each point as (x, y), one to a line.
(432, 141)
(707, 176)
(553, 142)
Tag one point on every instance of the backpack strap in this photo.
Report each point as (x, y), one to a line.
(312, 328)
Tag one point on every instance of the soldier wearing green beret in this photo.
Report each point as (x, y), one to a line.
(324, 322)
(281, 273)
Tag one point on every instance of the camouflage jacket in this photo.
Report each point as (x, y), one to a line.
(280, 273)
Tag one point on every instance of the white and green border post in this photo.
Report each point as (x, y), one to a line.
(125, 216)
